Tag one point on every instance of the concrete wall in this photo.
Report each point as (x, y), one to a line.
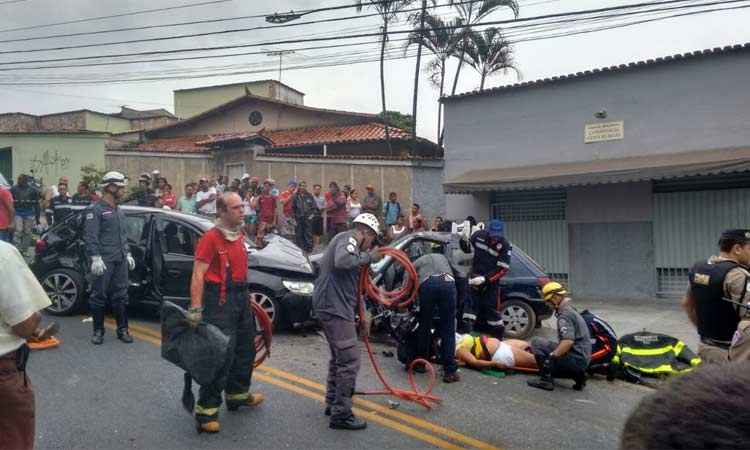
(179, 170)
(426, 189)
(51, 156)
(459, 206)
(687, 105)
(105, 123)
(188, 103)
(611, 241)
(18, 122)
(274, 117)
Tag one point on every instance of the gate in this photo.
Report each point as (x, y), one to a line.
(687, 226)
(536, 222)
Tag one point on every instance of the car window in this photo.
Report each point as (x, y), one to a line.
(176, 238)
(517, 267)
(420, 247)
(134, 226)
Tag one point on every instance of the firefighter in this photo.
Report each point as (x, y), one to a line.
(218, 296)
(568, 357)
(106, 239)
(491, 262)
(711, 282)
(335, 305)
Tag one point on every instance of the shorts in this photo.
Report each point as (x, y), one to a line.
(504, 355)
(251, 220)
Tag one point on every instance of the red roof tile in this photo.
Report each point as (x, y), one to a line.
(299, 137)
(181, 144)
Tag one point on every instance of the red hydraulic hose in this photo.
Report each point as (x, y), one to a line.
(262, 340)
(396, 299)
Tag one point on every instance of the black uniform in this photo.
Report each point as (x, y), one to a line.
(105, 235)
(305, 211)
(82, 199)
(491, 256)
(59, 214)
(335, 305)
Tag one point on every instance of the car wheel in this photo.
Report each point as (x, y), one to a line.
(266, 301)
(518, 318)
(64, 287)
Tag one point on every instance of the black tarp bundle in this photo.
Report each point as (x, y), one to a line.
(201, 351)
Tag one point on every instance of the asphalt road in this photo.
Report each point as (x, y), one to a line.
(118, 396)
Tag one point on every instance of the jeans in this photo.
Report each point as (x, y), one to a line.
(438, 292)
(5, 236)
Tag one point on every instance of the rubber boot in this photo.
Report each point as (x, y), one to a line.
(545, 380)
(251, 401)
(121, 316)
(212, 426)
(97, 315)
(580, 379)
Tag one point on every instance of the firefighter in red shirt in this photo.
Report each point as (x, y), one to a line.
(218, 295)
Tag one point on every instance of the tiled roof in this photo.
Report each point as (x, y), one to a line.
(595, 72)
(300, 137)
(181, 144)
(365, 157)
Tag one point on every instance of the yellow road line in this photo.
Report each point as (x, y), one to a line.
(154, 337)
(447, 432)
(369, 415)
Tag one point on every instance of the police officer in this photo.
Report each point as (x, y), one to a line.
(218, 295)
(57, 205)
(491, 262)
(568, 357)
(721, 277)
(437, 290)
(106, 242)
(335, 305)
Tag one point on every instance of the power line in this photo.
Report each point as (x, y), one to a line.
(360, 35)
(133, 13)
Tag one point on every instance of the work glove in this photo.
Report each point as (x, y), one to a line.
(131, 262)
(97, 266)
(194, 316)
(477, 281)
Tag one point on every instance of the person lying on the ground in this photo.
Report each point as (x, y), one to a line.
(484, 352)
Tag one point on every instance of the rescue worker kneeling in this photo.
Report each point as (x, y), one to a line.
(218, 295)
(570, 356)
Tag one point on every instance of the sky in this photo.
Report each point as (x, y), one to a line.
(354, 87)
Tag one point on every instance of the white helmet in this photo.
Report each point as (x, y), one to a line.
(369, 220)
(115, 178)
(245, 176)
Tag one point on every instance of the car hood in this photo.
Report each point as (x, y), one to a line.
(281, 254)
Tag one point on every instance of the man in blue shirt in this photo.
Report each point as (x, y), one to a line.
(391, 210)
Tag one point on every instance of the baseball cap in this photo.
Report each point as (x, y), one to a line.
(738, 235)
(496, 228)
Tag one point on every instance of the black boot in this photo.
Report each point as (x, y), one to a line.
(545, 380)
(580, 379)
(97, 316)
(121, 316)
(350, 423)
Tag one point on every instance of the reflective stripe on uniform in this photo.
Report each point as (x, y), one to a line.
(236, 397)
(648, 351)
(206, 411)
(664, 368)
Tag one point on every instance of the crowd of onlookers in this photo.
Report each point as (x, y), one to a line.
(306, 214)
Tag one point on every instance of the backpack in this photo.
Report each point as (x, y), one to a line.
(603, 340)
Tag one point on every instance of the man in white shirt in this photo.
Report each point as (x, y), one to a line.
(205, 198)
(21, 299)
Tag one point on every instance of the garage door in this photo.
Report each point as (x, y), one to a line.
(536, 222)
(687, 226)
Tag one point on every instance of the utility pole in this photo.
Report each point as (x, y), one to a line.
(280, 54)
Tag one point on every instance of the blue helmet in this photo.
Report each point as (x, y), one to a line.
(496, 228)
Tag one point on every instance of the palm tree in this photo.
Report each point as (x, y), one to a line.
(388, 10)
(441, 39)
(473, 13)
(488, 53)
(421, 19)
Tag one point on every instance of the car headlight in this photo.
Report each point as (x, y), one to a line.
(299, 287)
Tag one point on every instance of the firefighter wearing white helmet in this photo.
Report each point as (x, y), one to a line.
(335, 305)
(106, 242)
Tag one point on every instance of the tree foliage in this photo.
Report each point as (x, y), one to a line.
(398, 120)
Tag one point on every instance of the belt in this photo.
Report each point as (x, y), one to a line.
(714, 343)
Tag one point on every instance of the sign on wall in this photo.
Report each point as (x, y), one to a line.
(603, 131)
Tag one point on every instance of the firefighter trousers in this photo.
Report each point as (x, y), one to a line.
(235, 319)
(343, 366)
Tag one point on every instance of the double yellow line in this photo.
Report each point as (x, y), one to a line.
(407, 424)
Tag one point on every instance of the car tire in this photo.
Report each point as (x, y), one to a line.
(268, 303)
(518, 318)
(65, 289)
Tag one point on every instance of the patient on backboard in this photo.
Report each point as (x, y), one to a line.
(484, 352)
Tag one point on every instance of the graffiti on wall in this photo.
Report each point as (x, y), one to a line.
(49, 162)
